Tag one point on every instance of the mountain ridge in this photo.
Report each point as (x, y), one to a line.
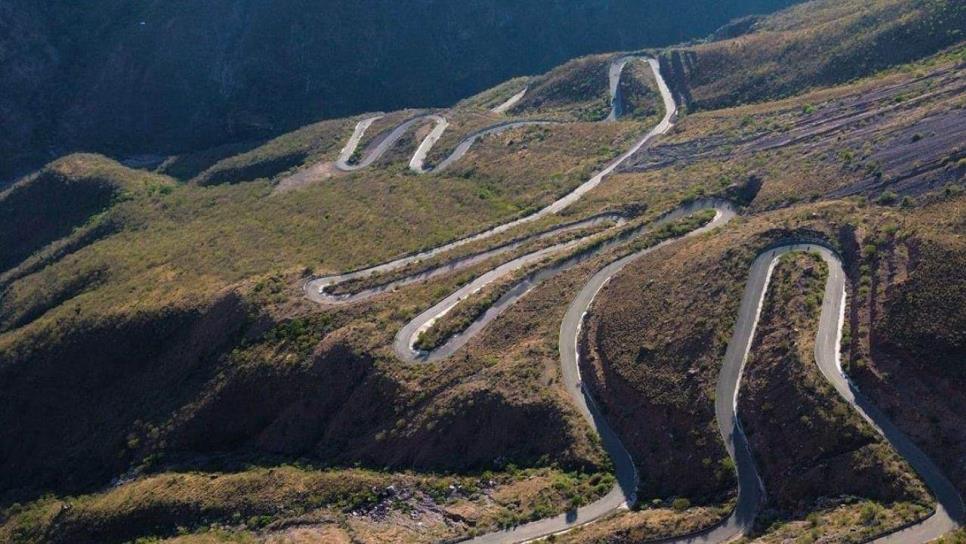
(148, 76)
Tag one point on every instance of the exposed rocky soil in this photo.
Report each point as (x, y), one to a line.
(903, 137)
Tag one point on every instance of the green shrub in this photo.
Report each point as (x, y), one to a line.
(887, 198)
(680, 504)
(869, 514)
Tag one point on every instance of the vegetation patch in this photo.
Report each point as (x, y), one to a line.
(810, 446)
(579, 88)
(263, 501)
(475, 305)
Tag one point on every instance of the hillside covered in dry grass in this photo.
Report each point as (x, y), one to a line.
(163, 376)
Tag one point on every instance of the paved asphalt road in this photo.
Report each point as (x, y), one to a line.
(949, 512)
(318, 288)
(827, 349)
(317, 284)
(623, 491)
(418, 161)
(407, 336)
(614, 80)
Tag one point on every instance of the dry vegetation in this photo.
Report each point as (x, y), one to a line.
(162, 327)
(71, 192)
(639, 92)
(817, 44)
(896, 135)
(495, 96)
(815, 454)
(655, 522)
(578, 89)
(473, 306)
(419, 507)
(906, 323)
(321, 141)
(678, 304)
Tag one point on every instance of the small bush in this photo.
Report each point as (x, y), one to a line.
(887, 198)
(869, 514)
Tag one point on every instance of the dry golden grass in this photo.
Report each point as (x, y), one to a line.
(182, 248)
(851, 523)
(260, 504)
(812, 45)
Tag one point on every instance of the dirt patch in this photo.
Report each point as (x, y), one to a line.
(313, 174)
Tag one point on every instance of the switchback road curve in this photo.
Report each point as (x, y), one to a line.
(418, 161)
(949, 512)
(407, 336)
(315, 287)
(510, 102)
(623, 492)
(751, 492)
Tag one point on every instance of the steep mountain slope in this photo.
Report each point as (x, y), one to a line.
(200, 283)
(62, 197)
(164, 371)
(819, 44)
(148, 76)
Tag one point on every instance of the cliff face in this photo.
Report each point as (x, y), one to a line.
(156, 76)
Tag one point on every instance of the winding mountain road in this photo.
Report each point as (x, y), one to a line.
(949, 512)
(321, 283)
(614, 81)
(623, 492)
(407, 336)
(319, 289)
(418, 161)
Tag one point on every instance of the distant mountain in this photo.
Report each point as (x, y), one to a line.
(127, 77)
